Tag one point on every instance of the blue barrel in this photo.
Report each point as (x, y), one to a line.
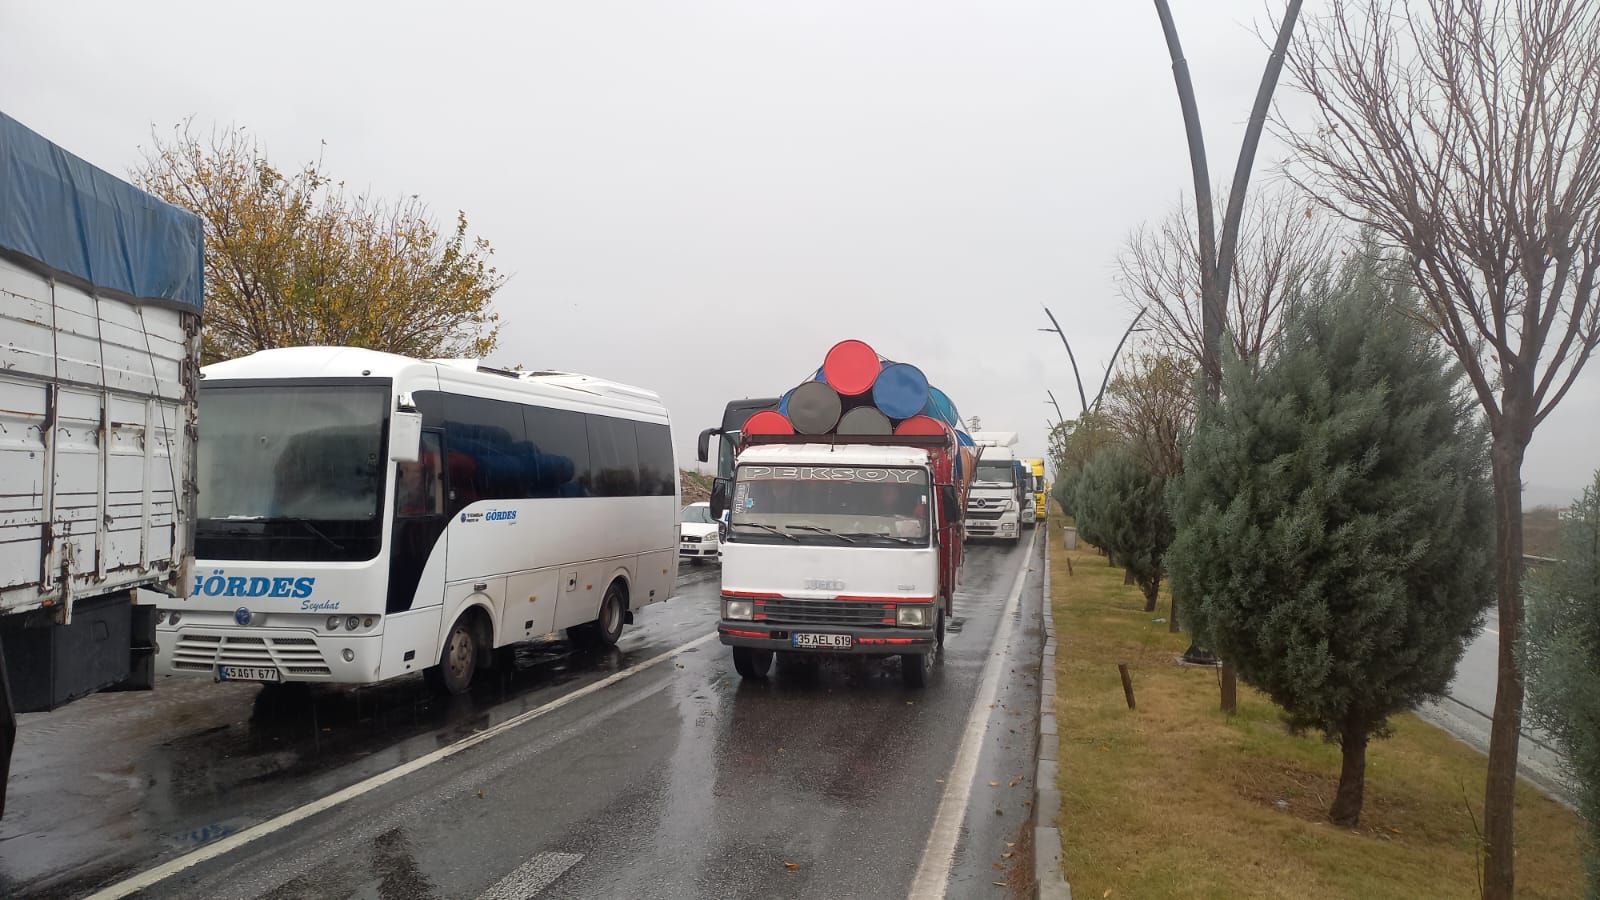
(901, 391)
(940, 407)
(965, 439)
(783, 402)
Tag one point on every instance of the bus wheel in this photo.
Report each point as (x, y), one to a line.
(750, 662)
(914, 669)
(457, 661)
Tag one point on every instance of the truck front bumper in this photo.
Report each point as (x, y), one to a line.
(874, 642)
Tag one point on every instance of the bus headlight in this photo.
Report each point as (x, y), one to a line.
(333, 623)
(738, 609)
(914, 616)
(352, 623)
(175, 617)
(161, 617)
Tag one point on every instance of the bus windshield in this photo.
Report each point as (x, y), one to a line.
(290, 471)
(830, 505)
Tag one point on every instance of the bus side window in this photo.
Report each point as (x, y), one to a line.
(418, 485)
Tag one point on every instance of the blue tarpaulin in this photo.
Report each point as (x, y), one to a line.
(83, 223)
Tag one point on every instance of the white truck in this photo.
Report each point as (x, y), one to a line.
(100, 296)
(993, 508)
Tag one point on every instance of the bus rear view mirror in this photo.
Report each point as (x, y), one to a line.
(405, 436)
(719, 497)
(705, 443)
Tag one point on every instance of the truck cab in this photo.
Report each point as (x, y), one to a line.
(994, 507)
(849, 548)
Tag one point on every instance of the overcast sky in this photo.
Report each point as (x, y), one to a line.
(701, 197)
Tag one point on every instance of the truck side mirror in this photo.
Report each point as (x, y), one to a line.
(950, 502)
(405, 436)
(719, 496)
(705, 443)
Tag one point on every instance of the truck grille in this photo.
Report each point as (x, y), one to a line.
(824, 612)
(985, 513)
(292, 655)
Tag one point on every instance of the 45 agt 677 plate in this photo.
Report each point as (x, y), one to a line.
(820, 641)
(248, 673)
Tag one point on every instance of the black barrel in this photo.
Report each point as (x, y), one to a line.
(865, 420)
(814, 408)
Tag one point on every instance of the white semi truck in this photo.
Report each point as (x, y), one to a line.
(993, 506)
(100, 296)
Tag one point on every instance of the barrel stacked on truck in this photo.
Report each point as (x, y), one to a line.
(844, 518)
(100, 296)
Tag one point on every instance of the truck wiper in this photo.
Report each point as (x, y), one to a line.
(778, 532)
(820, 530)
(882, 537)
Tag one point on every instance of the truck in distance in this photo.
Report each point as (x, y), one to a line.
(993, 503)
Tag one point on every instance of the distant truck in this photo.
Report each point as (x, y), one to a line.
(100, 300)
(1039, 489)
(994, 504)
(841, 545)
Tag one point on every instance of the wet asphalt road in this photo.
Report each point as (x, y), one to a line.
(678, 780)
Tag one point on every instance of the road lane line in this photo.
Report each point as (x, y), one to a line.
(938, 855)
(532, 876)
(150, 877)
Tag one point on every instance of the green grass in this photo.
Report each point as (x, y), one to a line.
(1176, 800)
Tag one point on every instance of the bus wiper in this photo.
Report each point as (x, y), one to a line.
(820, 530)
(778, 532)
(306, 524)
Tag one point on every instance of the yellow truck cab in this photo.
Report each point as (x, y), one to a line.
(1041, 490)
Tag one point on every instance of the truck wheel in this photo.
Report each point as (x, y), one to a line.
(751, 663)
(914, 669)
(457, 661)
(938, 630)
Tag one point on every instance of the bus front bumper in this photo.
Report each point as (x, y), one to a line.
(266, 654)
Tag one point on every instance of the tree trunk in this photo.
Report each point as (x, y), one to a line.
(1346, 811)
(1499, 873)
(1127, 577)
(1230, 688)
(1152, 589)
(1172, 613)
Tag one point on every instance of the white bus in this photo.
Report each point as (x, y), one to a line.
(362, 516)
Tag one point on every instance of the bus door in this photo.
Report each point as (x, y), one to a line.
(420, 518)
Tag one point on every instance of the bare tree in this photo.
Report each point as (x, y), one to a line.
(1465, 132)
(1282, 243)
(1151, 405)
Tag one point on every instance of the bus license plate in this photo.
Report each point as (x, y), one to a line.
(821, 641)
(247, 673)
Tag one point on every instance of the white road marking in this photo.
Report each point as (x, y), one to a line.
(938, 856)
(146, 879)
(532, 876)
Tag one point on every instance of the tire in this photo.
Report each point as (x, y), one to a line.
(457, 661)
(751, 663)
(914, 669)
(938, 630)
(606, 629)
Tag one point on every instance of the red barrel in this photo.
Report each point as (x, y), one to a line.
(922, 425)
(851, 367)
(768, 422)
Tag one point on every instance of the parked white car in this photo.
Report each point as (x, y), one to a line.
(697, 533)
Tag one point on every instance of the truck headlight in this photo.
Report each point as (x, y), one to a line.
(738, 609)
(914, 616)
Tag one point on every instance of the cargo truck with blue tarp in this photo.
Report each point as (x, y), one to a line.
(101, 289)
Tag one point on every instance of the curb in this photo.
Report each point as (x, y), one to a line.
(1048, 881)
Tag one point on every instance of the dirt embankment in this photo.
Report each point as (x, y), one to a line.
(696, 486)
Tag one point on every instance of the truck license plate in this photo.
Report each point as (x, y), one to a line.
(821, 641)
(247, 673)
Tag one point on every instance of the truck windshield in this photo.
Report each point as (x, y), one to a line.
(290, 471)
(997, 472)
(831, 505)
